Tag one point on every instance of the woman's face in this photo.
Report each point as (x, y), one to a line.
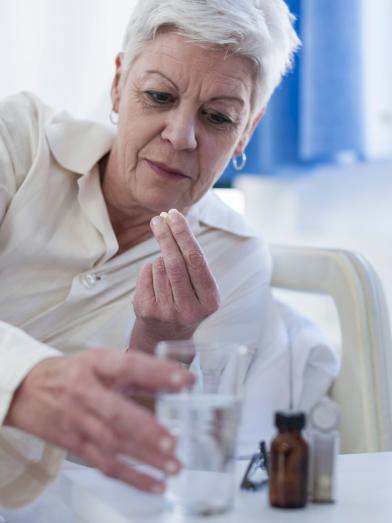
(183, 112)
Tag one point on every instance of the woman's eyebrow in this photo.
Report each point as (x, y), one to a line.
(155, 72)
(228, 97)
(213, 99)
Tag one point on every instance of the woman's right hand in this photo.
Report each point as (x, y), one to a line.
(79, 403)
(178, 291)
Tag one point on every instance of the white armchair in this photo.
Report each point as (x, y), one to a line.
(364, 386)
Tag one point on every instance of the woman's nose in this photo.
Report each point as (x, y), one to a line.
(180, 131)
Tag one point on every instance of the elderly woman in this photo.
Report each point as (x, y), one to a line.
(82, 238)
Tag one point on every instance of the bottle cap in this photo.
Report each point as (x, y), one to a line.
(325, 415)
(290, 420)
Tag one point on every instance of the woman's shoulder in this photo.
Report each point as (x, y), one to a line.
(227, 235)
(21, 127)
(211, 211)
(233, 227)
(19, 108)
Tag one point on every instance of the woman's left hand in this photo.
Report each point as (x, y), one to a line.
(176, 292)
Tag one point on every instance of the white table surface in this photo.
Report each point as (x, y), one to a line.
(364, 495)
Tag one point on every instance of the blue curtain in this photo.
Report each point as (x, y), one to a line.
(316, 115)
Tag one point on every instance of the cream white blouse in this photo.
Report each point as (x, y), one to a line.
(62, 290)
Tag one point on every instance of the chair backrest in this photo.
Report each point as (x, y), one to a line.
(363, 388)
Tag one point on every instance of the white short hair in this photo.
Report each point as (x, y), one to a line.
(260, 30)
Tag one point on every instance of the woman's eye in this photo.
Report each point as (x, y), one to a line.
(218, 118)
(160, 97)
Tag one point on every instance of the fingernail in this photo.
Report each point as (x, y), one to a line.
(157, 489)
(173, 215)
(166, 444)
(171, 467)
(156, 221)
(176, 378)
(163, 215)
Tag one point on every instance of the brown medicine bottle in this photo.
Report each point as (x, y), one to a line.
(288, 483)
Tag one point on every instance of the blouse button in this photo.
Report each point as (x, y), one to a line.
(88, 280)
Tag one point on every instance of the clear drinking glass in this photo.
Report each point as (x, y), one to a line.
(204, 419)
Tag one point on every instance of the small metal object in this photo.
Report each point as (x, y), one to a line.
(256, 474)
(239, 164)
(113, 117)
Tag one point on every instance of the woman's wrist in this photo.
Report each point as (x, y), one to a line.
(142, 338)
(145, 339)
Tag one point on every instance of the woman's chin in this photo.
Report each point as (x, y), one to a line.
(158, 205)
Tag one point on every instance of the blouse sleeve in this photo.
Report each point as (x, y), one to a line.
(27, 464)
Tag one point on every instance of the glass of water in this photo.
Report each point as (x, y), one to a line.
(204, 420)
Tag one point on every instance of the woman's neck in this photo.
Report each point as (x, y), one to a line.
(130, 229)
(131, 225)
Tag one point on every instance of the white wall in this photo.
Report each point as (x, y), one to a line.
(377, 45)
(62, 50)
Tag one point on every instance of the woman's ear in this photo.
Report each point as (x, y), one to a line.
(253, 123)
(116, 84)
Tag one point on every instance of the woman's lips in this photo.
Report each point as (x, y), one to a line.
(164, 170)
